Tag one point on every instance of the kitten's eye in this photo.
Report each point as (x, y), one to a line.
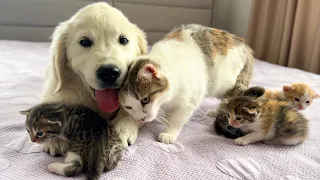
(123, 40)
(296, 99)
(85, 42)
(40, 134)
(145, 100)
(228, 115)
(128, 107)
(28, 131)
(307, 102)
(238, 118)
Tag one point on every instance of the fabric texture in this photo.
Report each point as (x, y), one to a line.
(286, 32)
(199, 153)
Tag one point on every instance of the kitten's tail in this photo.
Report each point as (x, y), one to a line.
(95, 168)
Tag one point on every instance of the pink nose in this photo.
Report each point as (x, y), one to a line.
(300, 106)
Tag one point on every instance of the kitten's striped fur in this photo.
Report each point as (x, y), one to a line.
(94, 146)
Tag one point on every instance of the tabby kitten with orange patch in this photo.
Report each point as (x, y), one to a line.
(191, 62)
(267, 120)
(300, 95)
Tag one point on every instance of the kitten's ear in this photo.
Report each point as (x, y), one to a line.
(55, 122)
(149, 71)
(26, 113)
(251, 111)
(317, 96)
(286, 88)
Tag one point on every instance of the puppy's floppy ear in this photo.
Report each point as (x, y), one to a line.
(59, 52)
(142, 42)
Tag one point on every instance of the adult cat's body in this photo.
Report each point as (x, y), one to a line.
(191, 62)
(94, 145)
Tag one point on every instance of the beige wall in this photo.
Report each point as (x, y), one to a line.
(232, 15)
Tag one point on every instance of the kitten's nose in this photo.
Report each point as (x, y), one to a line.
(300, 106)
(33, 139)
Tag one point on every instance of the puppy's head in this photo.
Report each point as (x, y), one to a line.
(98, 43)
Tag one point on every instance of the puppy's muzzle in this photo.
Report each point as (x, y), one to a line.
(108, 76)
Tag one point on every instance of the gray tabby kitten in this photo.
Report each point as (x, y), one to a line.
(94, 145)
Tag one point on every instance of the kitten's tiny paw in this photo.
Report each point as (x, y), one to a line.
(167, 138)
(54, 167)
(212, 113)
(55, 147)
(240, 141)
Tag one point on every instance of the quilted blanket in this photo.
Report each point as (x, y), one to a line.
(199, 152)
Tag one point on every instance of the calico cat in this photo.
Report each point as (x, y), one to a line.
(300, 95)
(267, 120)
(94, 145)
(191, 62)
(221, 125)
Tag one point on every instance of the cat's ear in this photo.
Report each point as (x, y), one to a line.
(149, 71)
(251, 111)
(317, 95)
(286, 88)
(26, 113)
(55, 122)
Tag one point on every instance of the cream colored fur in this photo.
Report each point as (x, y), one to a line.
(183, 64)
(71, 77)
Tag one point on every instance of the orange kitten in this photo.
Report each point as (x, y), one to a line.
(300, 95)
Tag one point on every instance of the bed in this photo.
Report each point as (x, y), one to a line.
(199, 152)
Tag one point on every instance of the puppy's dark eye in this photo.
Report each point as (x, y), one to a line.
(128, 107)
(238, 118)
(145, 100)
(307, 102)
(40, 134)
(123, 40)
(85, 42)
(296, 99)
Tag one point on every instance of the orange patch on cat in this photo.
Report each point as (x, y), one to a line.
(177, 35)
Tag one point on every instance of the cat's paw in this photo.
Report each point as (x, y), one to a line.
(240, 141)
(212, 113)
(56, 168)
(128, 134)
(167, 138)
(56, 147)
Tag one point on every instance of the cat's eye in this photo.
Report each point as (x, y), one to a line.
(40, 134)
(145, 100)
(128, 107)
(238, 118)
(85, 42)
(296, 99)
(307, 102)
(228, 115)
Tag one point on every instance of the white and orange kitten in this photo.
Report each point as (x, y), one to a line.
(191, 62)
(300, 95)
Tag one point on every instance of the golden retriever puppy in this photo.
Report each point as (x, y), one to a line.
(90, 56)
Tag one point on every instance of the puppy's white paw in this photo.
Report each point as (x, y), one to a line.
(167, 138)
(128, 134)
(240, 141)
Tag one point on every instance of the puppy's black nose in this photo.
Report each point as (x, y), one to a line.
(108, 74)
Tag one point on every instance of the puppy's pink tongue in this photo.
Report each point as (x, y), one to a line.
(107, 99)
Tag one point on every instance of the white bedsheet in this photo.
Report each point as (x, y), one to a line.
(198, 154)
